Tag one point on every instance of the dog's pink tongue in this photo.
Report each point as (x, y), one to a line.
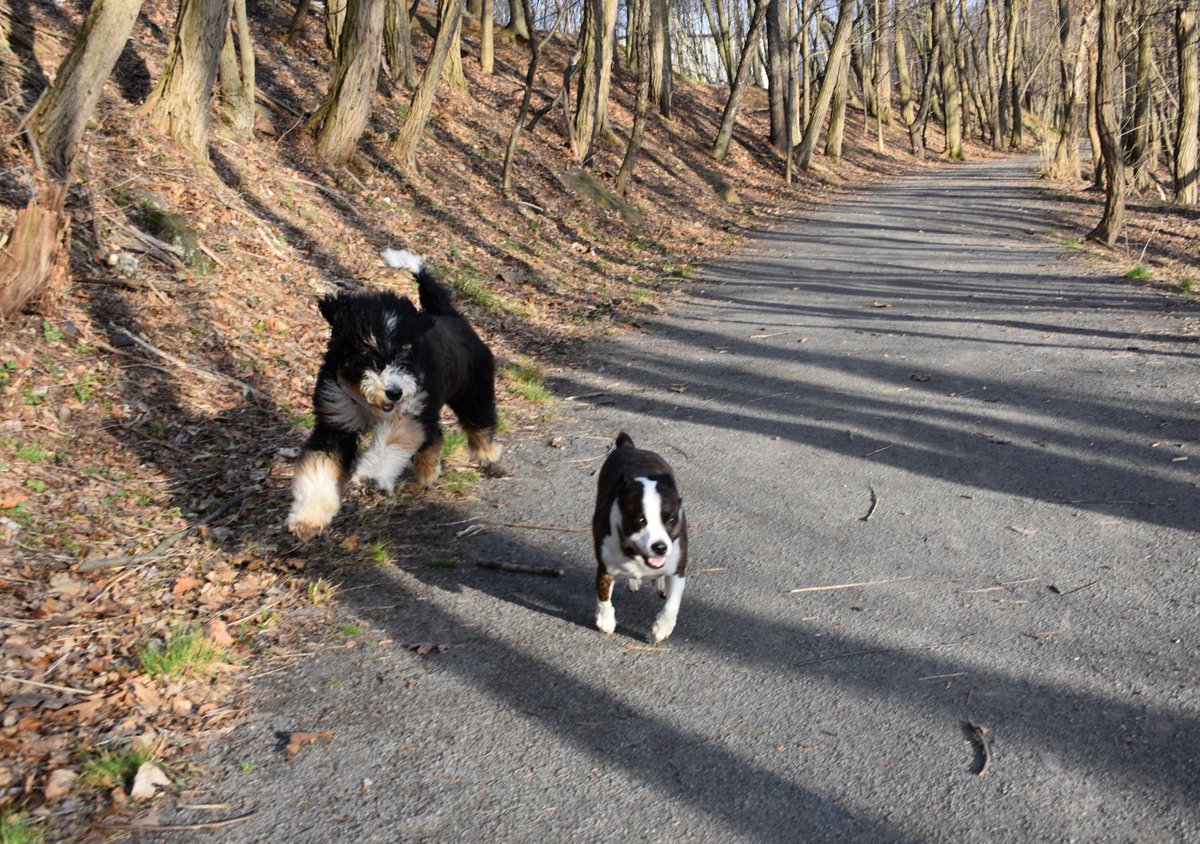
(656, 562)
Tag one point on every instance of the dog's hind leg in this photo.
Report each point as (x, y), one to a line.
(482, 443)
(317, 481)
(606, 618)
(665, 623)
(427, 463)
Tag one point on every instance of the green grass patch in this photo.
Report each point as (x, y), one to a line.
(108, 769)
(187, 652)
(454, 442)
(86, 387)
(35, 485)
(16, 828)
(1140, 273)
(34, 453)
(527, 382)
(1071, 243)
(51, 334)
(379, 553)
(460, 481)
(1187, 286)
(350, 630)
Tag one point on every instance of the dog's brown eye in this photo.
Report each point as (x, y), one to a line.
(673, 520)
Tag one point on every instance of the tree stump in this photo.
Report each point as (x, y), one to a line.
(33, 262)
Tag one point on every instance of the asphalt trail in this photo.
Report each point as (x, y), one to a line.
(912, 388)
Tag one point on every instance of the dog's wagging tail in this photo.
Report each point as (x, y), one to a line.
(388, 370)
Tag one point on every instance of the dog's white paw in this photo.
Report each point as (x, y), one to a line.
(384, 483)
(606, 617)
(663, 625)
(633, 584)
(307, 521)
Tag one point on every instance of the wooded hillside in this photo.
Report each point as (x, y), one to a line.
(183, 180)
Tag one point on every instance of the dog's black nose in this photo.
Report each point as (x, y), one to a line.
(659, 548)
(394, 394)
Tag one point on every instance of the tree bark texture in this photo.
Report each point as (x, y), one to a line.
(661, 73)
(33, 262)
(1140, 136)
(836, 133)
(908, 108)
(58, 121)
(397, 44)
(487, 41)
(883, 63)
(951, 91)
(1187, 48)
(641, 11)
(1011, 86)
(237, 74)
(335, 19)
(1108, 89)
(720, 146)
(1065, 165)
(180, 103)
(339, 122)
(841, 40)
(778, 35)
(598, 40)
(404, 147)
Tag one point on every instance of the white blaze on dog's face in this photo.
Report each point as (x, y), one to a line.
(648, 518)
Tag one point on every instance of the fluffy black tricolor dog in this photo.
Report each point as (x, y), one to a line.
(389, 369)
(639, 532)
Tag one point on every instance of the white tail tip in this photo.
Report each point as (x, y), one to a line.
(402, 259)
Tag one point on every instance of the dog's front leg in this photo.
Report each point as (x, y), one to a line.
(318, 478)
(606, 618)
(393, 443)
(665, 623)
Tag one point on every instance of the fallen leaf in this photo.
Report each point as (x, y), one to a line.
(66, 586)
(147, 781)
(298, 741)
(218, 632)
(59, 783)
(184, 585)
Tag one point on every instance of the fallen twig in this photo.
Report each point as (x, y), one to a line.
(166, 545)
(1058, 591)
(849, 585)
(524, 526)
(182, 827)
(983, 751)
(871, 509)
(51, 686)
(517, 568)
(167, 356)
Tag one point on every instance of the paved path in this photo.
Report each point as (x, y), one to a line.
(914, 389)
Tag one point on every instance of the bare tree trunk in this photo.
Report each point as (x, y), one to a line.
(841, 39)
(1140, 157)
(180, 102)
(995, 85)
(339, 122)
(237, 74)
(1187, 177)
(641, 13)
(597, 42)
(58, 120)
(805, 64)
(916, 129)
(908, 109)
(661, 73)
(837, 113)
(487, 42)
(1012, 72)
(951, 92)
(883, 63)
(530, 76)
(1107, 91)
(397, 44)
(518, 22)
(1093, 117)
(777, 69)
(335, 19)
(718, 24)
(1066, 164)
(454, 74)
(404, 147)
(720, 146)
(299, 18)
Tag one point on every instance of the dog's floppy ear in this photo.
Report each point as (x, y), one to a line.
(329, 306)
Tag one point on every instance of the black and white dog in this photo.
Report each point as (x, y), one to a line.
(639, 531)
(388, 370)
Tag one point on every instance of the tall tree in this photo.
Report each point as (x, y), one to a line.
(1140, 136)
(404, 147)
(916, 129)
(339, 122)
(237, 74)
(597, 36)
(397, 44)
(952, 100)
(1187, 178)
(1014, 121)
(661, 72)
(58, 120)
(720, 147)
(836, 133)
(722, 33)
(841, 41)
(510, 150)
(1065, 164)
(640, 10)
(1108, 90)
(487, 41)
(180, 102)
(778, 77)
(908, 109)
